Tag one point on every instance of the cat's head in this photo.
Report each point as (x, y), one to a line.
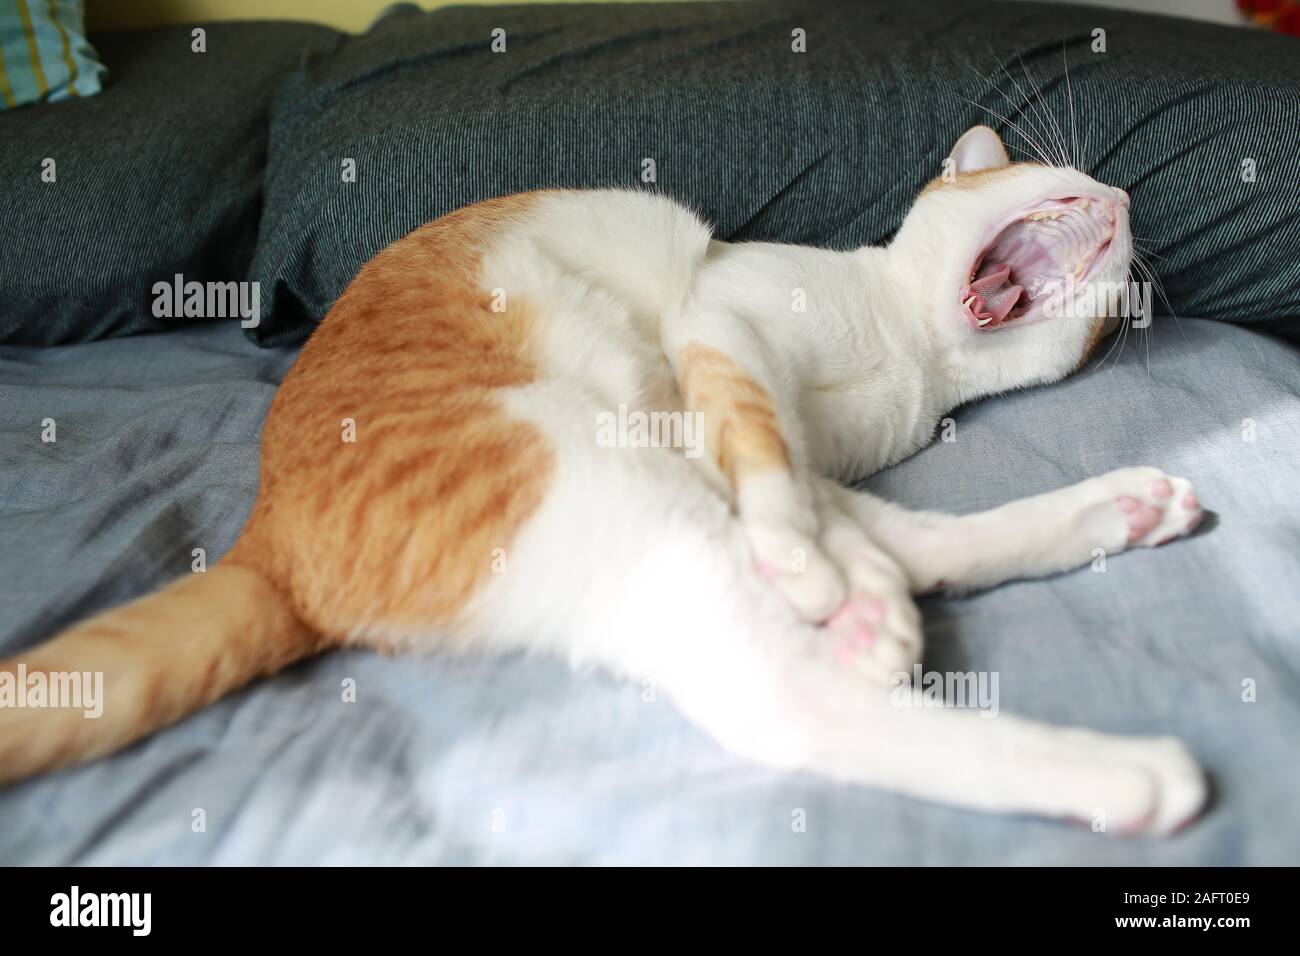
(1021, 267)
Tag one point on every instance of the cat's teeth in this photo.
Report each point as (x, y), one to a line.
(1085, 203)
(969, 303)
(984, 322)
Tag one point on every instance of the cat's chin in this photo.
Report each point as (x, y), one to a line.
(1038, 257)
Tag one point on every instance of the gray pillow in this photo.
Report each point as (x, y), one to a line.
(159, 174)
(826, 147)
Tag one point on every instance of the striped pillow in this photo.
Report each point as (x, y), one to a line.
(44, 54)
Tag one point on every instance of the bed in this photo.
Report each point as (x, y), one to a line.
(517, 760)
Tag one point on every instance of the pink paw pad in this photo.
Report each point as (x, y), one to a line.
(844, 652)
(865, 637)
(868, 608)
(1142, 518)
(1190, 502)
(769, 570)
(1161, 489)
(855, 624)
(842, 617)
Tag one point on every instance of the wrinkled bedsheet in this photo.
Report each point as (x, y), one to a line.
(517, 760)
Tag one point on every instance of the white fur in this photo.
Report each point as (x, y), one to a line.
(641, 561)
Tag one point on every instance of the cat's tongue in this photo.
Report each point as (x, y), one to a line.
(996, 297)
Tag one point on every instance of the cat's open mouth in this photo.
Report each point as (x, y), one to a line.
(1037, 251)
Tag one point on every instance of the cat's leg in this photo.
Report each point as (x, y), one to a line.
(1030, 537)
(860, 733)
(803, 543)
(635, 564)
(657, 583)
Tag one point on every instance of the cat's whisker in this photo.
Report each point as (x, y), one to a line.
(1150, 272)
(1024, 153)
(1042, 105)
(1147, 334)
(1144, 270)
(1034, 119)
(1032, 140)
(1041, 153)
(1069, 92)
(1024, 95)
(1122, 342)
(1148, 252)
(1028, 139)
(1098, 363)
(1087, 142)
(1118, 341)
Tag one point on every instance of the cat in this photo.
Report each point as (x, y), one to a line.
(432, 479)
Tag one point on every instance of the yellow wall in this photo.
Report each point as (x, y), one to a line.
(354, 15)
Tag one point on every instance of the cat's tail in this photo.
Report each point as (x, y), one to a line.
(134, 669)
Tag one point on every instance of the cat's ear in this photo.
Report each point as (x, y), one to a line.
(979, 148)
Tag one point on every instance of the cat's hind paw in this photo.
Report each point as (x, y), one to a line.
(870, 636)
(834, 577)
(1136, 785)
(877, 630)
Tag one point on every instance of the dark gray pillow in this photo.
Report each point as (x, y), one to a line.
(159, 174)
(826, 147)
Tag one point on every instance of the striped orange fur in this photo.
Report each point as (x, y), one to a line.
(743, 432)
(438, 476)
(162, 657)
(364, 541)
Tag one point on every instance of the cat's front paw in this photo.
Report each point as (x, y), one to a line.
(1144, 507)
(798, 569)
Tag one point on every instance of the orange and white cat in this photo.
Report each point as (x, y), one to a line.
(476, 509)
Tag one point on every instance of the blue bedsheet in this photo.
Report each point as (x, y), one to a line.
(517, 760)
